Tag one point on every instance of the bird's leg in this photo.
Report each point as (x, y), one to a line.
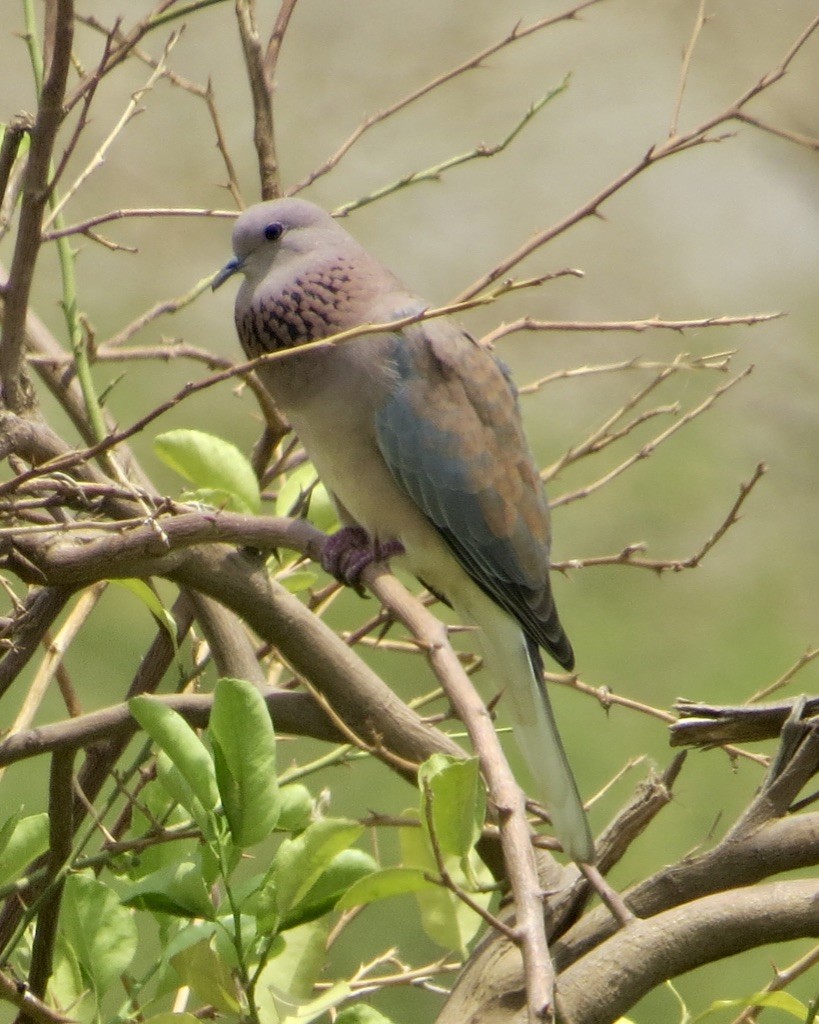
(349, 551)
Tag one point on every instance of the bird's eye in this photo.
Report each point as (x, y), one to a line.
(273, 231)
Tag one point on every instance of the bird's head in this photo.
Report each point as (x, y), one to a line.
(273, 231)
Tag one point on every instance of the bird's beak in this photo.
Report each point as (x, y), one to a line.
(228, 270)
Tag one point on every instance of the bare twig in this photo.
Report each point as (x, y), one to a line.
(261, 88)
(804, 659)
(671, 146)
(652, 323)
(435, 172)
(651, 446)
(31, 1008)
(476, 61)
(685, 68)
(53, 659)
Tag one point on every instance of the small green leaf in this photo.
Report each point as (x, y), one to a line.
(173, 1018)
(344, 870)
(213, 464)
(286, 983)
(293, 967)
(67, 987)
(447, 920)
(244, 746)
(140, 589)
(301, 485)
(452, 789)
(176, 786)
(361, 1013)
(21, 840)
(315, 1008)
(101, 932)
(172, 734)
(296, 807)
(772, 1000)
(300, 861)
(177, 889)
(298, 580)
(381, 885)
(200, 967)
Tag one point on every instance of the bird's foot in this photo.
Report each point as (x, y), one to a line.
(349, 551)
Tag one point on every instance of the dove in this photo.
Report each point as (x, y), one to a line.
(417, 434)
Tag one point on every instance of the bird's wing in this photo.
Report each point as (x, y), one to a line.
(451, 433)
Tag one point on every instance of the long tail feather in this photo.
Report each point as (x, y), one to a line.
(508, 659)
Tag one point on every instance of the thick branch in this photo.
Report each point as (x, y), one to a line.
(504, 791)
(704, 725)
(61, 827)
(786, 844)
(358, 696)
(598, 990)
(293, 713)
(16, 395)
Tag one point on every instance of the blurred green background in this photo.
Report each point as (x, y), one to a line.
(727, 228)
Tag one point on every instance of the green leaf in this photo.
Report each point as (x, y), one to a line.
(174, 736)
(453, 794)
(67, 988)
(141, 590)
(100, 931)
(296, 581)
(447, 920)
(286, 983)
(177, 889)
(362, 1013)
(212, 464)
(299, 862)
(302, 482)
(773, 1000)
(293, 969)
(176, 786)
(296, 807)
(159, 805)
(344, 870)
(381, 885)
(21, 840)
(244, 747)
(173, 1018)
(200, 967)
(318, 1007)
(7, 828)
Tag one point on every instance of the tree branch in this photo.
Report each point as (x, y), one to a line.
(597, 990)
(16, 392)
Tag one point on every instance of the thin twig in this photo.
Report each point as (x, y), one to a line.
(651, 446)
(782, 978)
(685, 68)
(476, 61)
(671, 146)
(436, 172)
(652, 323)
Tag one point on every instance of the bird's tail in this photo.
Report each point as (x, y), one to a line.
(513, 665)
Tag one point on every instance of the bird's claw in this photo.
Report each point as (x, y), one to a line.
(349, 551)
